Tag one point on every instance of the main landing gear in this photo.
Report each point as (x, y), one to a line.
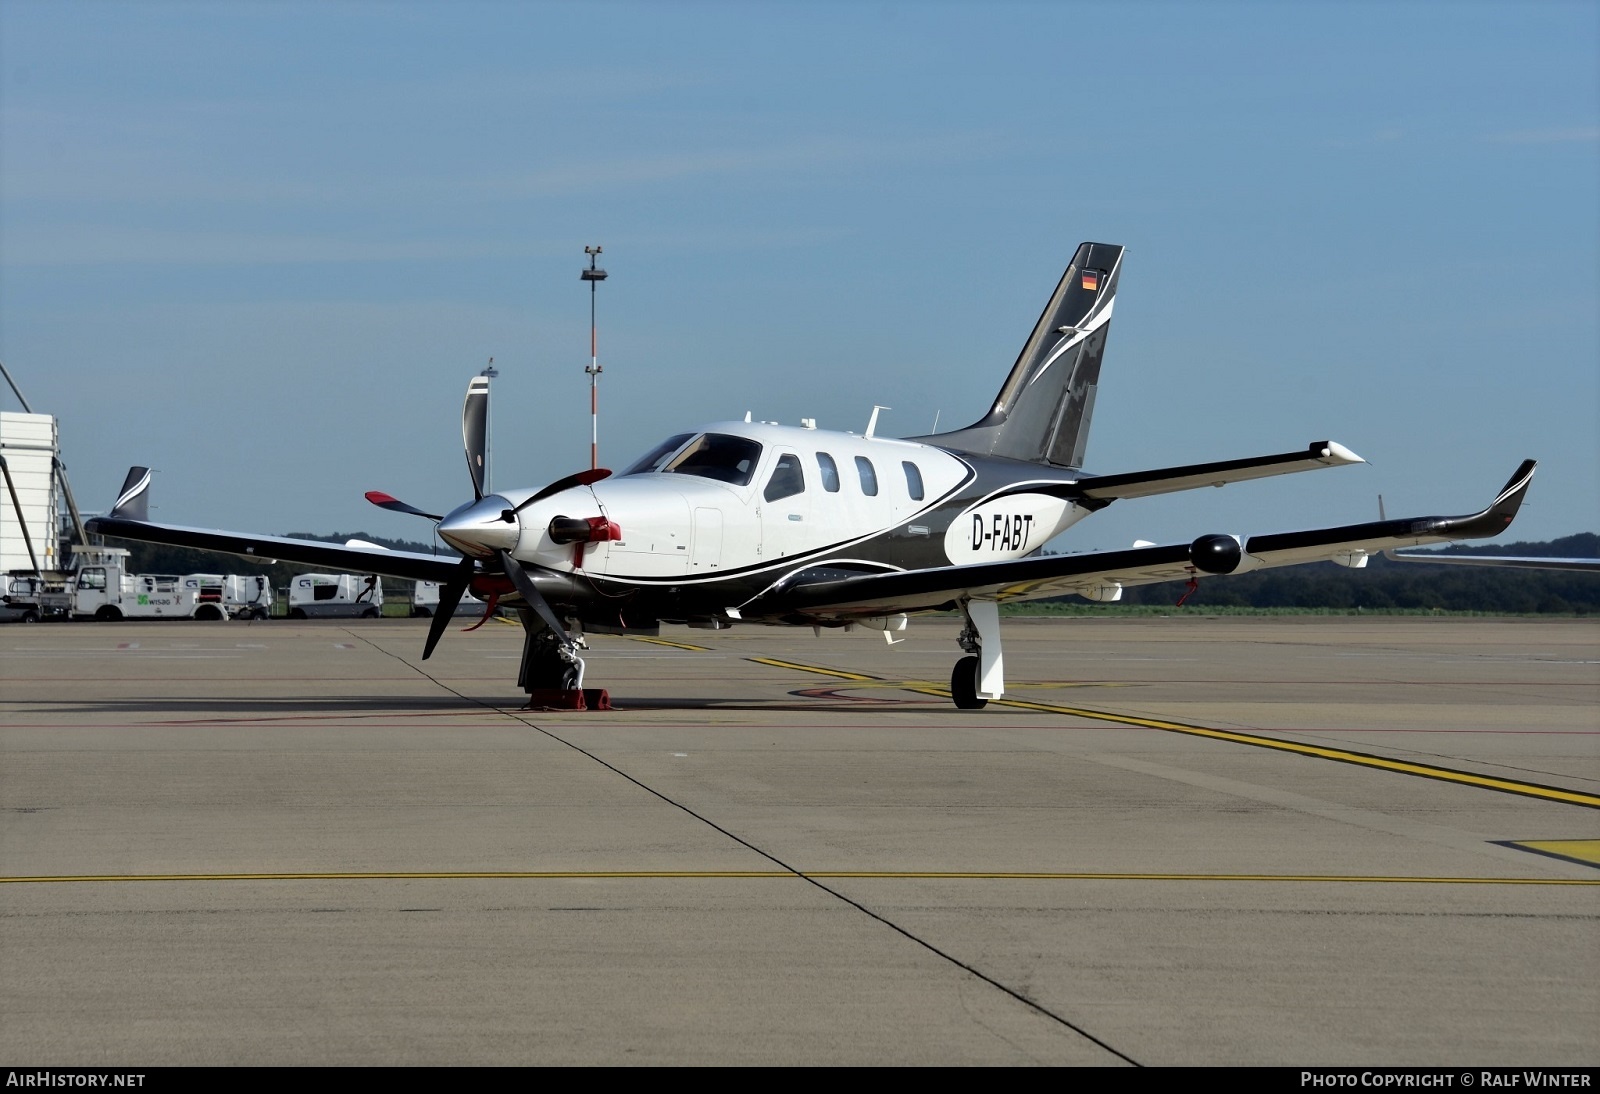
(980, 675)
(552, 671)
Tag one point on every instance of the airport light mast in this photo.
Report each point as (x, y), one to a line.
(593, 275)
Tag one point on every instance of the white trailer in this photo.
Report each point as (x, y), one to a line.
(241, 596)
(103, 589)
(335, 596)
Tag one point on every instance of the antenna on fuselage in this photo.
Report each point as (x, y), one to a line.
(593, 275)
(872, 422)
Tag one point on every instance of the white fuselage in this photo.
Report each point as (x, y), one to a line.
(798, 496)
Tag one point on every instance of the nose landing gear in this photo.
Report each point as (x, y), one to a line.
(552, 671)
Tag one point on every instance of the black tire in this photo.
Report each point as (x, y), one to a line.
(964, 684)
(370, 613)
(209, 613)
(421, 613)
(297, 613)
(30, 616)
(570, 675)
(108, 614)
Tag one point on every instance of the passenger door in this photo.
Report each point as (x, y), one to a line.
(785, 507)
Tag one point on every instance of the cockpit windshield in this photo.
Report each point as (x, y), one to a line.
(719, 456)
(653, 459)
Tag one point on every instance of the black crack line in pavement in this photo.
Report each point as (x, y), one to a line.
(770, 857)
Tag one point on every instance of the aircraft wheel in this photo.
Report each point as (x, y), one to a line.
(964, 685)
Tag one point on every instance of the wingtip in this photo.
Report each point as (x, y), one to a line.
(1509, 500)
(1332, 453)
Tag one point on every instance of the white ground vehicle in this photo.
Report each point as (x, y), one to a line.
(424, 598)
(335, 596)
(28, 597)
(103, 589)
(241, 596)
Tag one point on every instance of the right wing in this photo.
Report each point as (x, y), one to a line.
(830, 596)
(127, 520)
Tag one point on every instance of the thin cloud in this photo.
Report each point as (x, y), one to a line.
(1576, 135)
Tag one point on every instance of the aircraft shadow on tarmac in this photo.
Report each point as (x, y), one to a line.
(192, 707)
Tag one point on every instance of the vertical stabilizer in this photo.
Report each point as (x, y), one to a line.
(1043, 410)
(133, 501)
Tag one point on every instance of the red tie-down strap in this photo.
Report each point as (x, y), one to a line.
(1188, 590)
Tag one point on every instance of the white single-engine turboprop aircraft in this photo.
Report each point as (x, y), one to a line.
(760, 523)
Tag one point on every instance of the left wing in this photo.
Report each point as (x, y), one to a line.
(829, 596)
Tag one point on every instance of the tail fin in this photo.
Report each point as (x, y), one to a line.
(1042, 412)
(133, 502)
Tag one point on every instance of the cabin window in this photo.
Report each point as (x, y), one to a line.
(913, 480)
(653, 459)
(830, 472)
(787, 478)
(92, 579)
(718, 456)
(869, 476)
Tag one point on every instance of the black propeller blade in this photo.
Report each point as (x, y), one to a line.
(389, 501)
(475, 431)
(531, 594)
(582, 478)
(449, 596)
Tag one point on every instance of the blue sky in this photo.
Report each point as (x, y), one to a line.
(263, 247)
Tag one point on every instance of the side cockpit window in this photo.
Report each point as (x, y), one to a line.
(787, 478)
(830, 472)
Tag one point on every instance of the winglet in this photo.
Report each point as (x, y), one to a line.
(1482, 525)
(1503, 510)
(133, 500)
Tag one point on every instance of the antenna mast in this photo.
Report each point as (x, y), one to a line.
(593, 275)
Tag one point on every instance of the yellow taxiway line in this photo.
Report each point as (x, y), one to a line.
(1340, 755)
(759, 875)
